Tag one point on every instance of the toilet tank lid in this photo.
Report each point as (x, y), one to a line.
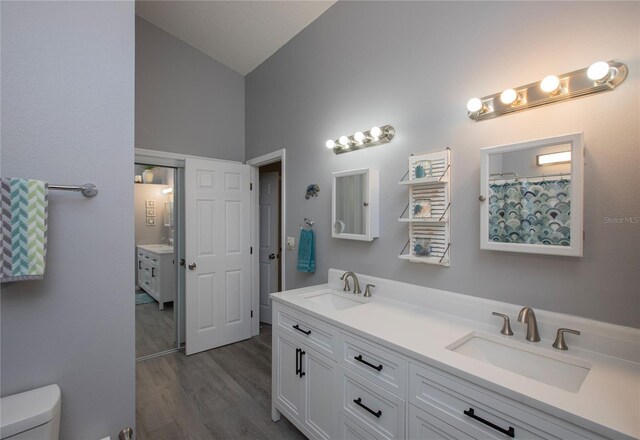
(27, 410)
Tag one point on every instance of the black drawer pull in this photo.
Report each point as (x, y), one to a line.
(510, 432)
(306, 332)
(298, 361)
(139, 264)
(302, 353)
(358, 402)
(153, 272)
(359, 359)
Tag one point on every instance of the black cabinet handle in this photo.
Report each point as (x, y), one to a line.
(359, 359)
(302, 353)
(297, 361)
(510, 432)
(153, 272)
(139, 264)
(358, 402)
(306, 332)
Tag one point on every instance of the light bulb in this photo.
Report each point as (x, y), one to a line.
(375, 132)
(359, 137)
(598, 71)
(475, 105)
(509, 96)
(330, 144)
(550, 84)
(344, 141)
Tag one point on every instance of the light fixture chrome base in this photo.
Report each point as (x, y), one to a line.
(572, 85)
(388, 132)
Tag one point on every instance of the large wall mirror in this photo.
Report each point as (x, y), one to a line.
(354, 209)
(531, 196)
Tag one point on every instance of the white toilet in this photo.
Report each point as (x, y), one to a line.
(32, 415)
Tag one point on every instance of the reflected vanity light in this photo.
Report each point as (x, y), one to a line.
(359, 140)
(553, 158)
(167, 190)
(600, 76)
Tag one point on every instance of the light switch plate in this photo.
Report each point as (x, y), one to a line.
(291, 243)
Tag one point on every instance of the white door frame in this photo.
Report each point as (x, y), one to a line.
(276, 156)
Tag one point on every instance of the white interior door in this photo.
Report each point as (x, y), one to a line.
(269, 243)
(218, 281)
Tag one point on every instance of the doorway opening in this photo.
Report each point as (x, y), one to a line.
(269, 173)
(158, 319)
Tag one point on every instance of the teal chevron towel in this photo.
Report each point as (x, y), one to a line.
(24, 229)
(306, 252)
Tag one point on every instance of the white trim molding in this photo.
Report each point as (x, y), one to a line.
(255, 163)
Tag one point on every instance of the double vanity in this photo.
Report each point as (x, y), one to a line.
(420, 363)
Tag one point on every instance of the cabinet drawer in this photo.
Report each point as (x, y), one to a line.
(313, 332)
(372, 406)
(436, 425)
(351, 430)
(462, 404)
(379, 365)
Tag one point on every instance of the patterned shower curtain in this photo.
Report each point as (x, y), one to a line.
(532, 211)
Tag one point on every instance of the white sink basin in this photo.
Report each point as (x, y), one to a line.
(332, 300)
(560, 371)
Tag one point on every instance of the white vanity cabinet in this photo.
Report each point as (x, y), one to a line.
(305, 381)
(156, 272)
(331, 383)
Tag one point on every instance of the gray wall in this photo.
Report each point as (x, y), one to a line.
(415, 65)
(67, 117)
(186, 102)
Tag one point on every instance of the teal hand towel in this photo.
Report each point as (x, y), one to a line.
(306, 252)
(24, 229)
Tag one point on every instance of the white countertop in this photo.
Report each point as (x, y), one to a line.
(608, 402)
(156, 248)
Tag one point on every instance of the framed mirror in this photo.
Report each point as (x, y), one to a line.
(531, 196)
(354, 205)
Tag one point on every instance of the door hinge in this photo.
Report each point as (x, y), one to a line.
(250, 186)
(252, 313)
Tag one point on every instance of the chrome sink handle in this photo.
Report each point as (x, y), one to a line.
(559, 343)
(367, 290)
(506, 325)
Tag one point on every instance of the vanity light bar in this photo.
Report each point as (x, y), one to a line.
(359, 140)
(601, 76)
(553, 158)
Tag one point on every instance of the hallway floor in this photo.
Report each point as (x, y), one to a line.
(155, 329)
(223, 393)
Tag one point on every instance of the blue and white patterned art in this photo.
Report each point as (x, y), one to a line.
(530, 211)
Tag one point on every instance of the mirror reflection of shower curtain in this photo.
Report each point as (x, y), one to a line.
(350, 201)
(533, 211)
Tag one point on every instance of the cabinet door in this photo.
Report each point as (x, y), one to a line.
(321, 391)
(140, 268)
(155, 284)
(290, 386)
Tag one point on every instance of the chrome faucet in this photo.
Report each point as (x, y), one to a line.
(356, 284)
(527, 316)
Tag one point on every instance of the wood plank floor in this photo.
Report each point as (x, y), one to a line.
(155, 331)
(223, 393)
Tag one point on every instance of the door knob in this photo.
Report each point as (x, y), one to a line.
(272, 257)
(192, 266)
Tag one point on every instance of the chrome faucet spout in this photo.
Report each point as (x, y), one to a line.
(356, 284)
(527, 316)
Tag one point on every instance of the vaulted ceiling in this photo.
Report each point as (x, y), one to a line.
(239, 34)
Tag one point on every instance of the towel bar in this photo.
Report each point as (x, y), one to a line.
(87, 190)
